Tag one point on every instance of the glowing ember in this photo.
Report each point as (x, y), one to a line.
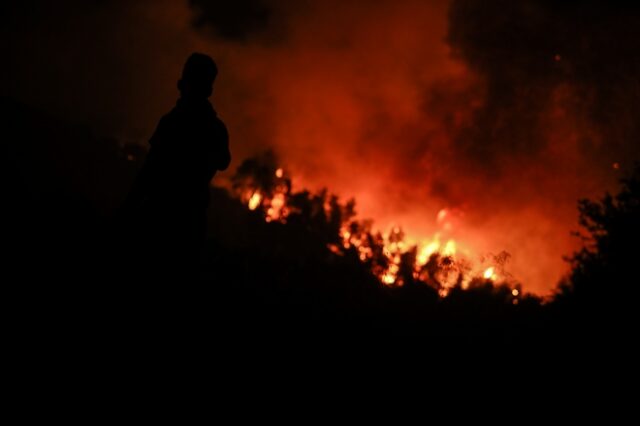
(278, 201)
(388, 278)
(489, 273)
(277, 211)
(254, 201)
(334, 249)
(515, 292)
(391, 275)
(279, 173)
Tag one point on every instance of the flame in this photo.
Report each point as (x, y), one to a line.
(277, 209)
(451, 269)
(489, 273)
(388, 278)
(426, 252)
(254, 201)
(449, 248)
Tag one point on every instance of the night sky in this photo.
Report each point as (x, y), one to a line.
(504, 113)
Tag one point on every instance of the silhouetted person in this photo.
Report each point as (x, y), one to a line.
(167, 205)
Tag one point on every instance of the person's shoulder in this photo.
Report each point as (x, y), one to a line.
(174, 119)
(171, 116)
(165, 127)
(167, 118)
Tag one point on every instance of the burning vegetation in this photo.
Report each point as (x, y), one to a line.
(393, 257)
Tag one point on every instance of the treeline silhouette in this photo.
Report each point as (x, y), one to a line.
(267, 279)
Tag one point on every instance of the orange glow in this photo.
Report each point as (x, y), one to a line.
(278, 201)
(515, 292)
(442, 214)
(410, 170)
(277, 210)
(489, 273)
(334, 249)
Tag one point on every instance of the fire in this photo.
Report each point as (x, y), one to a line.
(427, 251)
(438, 261)
(277, 210)
(388, 278)
(255, 200)
(489, 274)
(449, 248)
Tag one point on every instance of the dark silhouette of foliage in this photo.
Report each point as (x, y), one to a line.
(259, 174)
(604, 272)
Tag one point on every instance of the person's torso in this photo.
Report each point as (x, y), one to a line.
(190, 135)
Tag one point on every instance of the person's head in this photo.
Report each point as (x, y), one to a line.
(198, 75)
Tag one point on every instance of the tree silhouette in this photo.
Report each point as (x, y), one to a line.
(604, 272)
